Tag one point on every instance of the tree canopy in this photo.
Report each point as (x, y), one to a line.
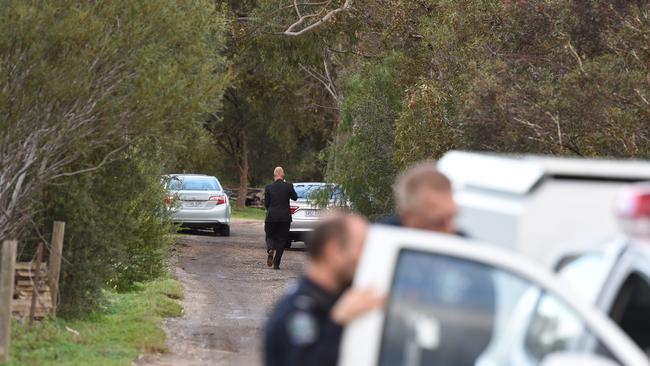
(98, 99)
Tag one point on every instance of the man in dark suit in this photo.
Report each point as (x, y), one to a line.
(278, 216)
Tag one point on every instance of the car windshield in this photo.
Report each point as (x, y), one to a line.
(188, 183)
(310, 191)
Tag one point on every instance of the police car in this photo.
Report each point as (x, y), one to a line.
(455, 302)
(613, 276)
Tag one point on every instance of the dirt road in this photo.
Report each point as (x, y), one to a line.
(229, 291)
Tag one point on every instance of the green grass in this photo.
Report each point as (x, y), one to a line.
(248, 213)
(127, 327)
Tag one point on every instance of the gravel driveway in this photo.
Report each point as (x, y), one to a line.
(229, 291)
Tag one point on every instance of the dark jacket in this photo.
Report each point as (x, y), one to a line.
(300, 331)
(276, 201)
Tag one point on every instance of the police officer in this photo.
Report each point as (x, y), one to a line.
(307, 324)
(425, 201)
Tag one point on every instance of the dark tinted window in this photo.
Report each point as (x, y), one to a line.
(198, 183)
(631, 309)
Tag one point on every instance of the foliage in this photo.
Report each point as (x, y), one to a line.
(105, 96)
(538, 76)
(116, 233)
(116, 335)
(361, 160)
(274, 113)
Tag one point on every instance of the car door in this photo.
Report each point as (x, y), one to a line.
(452, 302)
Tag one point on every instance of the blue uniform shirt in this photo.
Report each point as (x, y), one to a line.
(300, 331)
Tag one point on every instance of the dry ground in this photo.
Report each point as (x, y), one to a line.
(229, 292)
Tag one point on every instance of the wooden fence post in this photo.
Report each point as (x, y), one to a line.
(7, 272)
(56, 254)
(36, 286)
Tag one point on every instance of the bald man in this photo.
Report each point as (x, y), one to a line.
(278, 216)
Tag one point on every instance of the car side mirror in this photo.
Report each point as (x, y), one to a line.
(574, 359)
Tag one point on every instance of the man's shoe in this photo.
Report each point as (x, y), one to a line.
(276, 267)
(269, 258)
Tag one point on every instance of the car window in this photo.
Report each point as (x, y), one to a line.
(311, 191)
(194, 184)
(631, 309)
(447, 311)
(304, 190)
(553, 328)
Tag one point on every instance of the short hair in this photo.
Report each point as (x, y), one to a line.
(423, 174)
(278, 172)
(331, 229)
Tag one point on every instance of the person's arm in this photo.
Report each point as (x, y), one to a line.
(267, 197)
(354, 303)
(293, 195)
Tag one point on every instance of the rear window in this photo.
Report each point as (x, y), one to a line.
(311, 191)
(194, 184)
(306, 190)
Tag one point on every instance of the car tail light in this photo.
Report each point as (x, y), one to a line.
(293, 209)
(219, 200)
(168, 200)
(633, 209)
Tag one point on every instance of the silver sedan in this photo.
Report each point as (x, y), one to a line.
(305, 213)
(198, 201)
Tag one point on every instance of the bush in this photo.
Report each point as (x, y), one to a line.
(111, 94)
(116, 233)
(361, 158)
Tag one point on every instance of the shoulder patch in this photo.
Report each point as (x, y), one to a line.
(302, 328)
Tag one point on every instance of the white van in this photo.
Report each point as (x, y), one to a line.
(538, 205)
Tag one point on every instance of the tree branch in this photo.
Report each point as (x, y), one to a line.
(291, 30)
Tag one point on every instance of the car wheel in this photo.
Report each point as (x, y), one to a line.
(225, 230)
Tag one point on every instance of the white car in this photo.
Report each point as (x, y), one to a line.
(456, 302)
(614, 278)
(198, 201)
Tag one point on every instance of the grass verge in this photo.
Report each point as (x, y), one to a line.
(128, 326)
(248, 213)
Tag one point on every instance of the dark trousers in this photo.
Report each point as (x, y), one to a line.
(277, 236)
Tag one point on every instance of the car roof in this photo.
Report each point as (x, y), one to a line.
(612, 247)
(520, 174)
(639, 247)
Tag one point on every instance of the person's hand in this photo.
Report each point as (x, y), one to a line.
(354, 303)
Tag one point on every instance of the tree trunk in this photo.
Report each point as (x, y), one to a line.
(243, 170)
